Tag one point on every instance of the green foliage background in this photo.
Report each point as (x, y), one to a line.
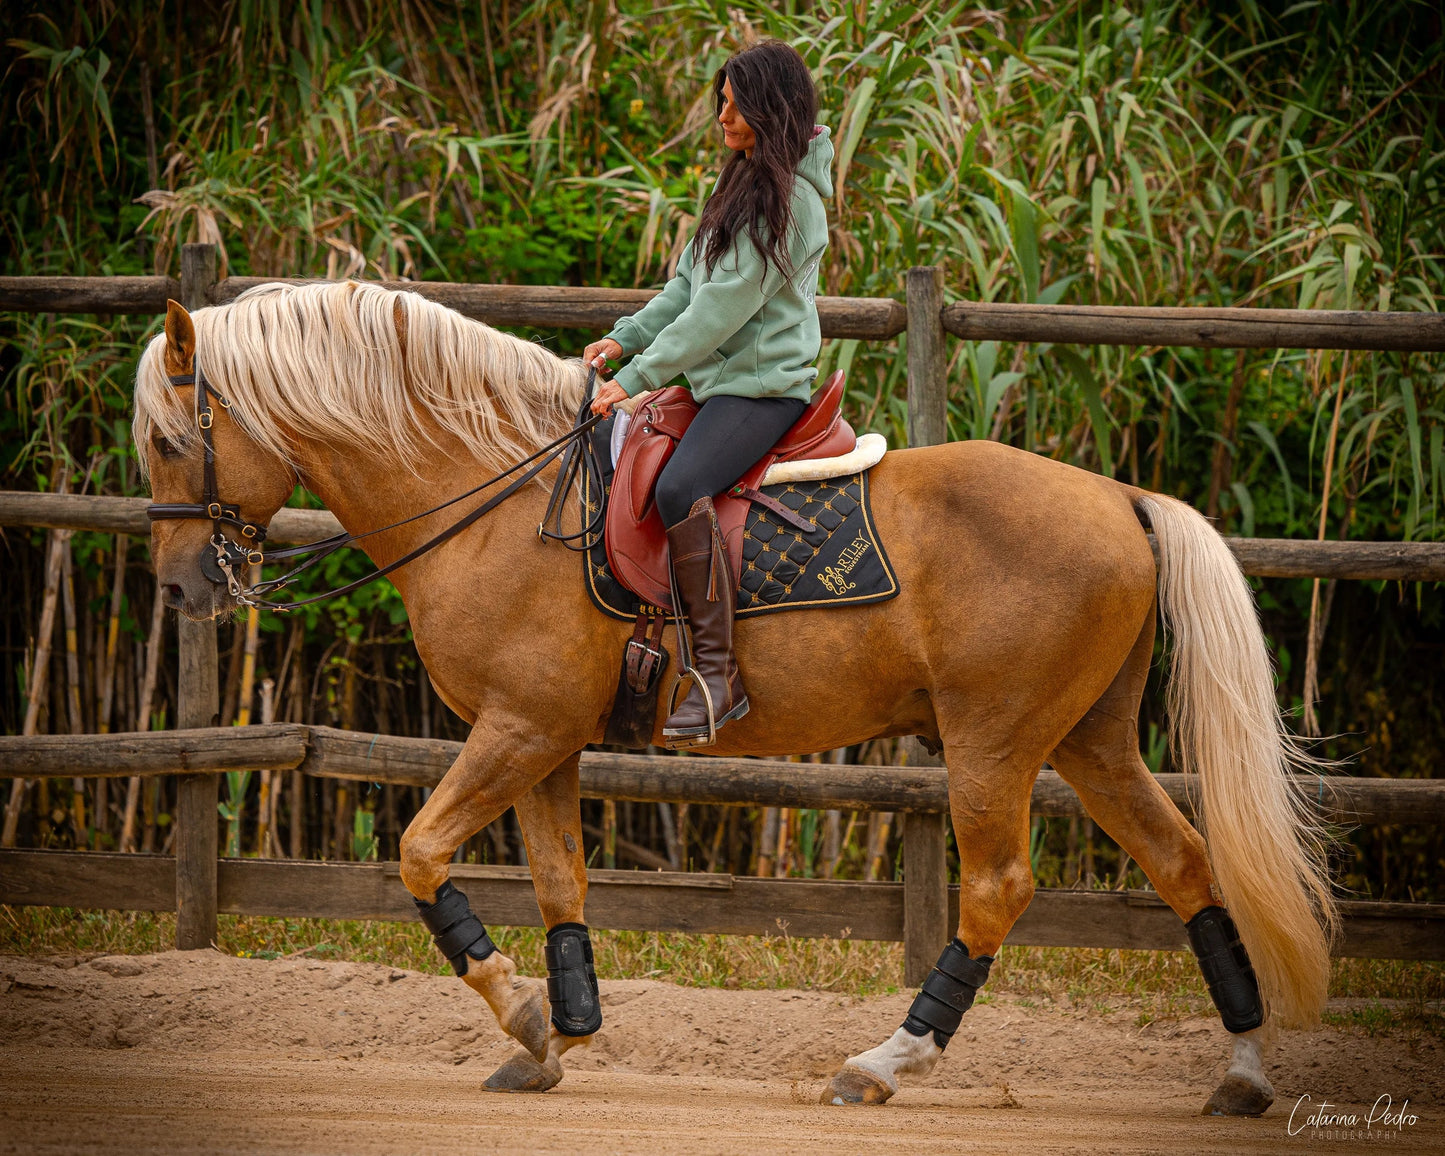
(1186, 153)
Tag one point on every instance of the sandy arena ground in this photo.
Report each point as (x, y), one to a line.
(197, 1051)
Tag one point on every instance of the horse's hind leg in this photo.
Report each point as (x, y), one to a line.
(551, 819)
(1100, 759)
(989, 797)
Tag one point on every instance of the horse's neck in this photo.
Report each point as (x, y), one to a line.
(366, 493)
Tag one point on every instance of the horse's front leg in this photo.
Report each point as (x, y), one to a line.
(551, 818)
(497, 767)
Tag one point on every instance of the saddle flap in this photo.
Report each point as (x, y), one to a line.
(648, 455)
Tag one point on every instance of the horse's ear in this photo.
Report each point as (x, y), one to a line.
(180, 341)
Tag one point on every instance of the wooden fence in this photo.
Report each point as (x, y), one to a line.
(920, 911)
(648, 901)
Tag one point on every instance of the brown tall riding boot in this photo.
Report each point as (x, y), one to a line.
(705, 590)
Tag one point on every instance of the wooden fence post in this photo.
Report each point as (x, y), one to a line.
(196, 836)
(925, 861)
(927, 358)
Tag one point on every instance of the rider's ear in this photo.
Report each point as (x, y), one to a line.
(180, 341)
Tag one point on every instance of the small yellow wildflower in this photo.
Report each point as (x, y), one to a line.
(635, 108)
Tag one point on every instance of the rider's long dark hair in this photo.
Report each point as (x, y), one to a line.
(774, 92)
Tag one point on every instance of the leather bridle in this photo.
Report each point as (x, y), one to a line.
(228, 553)
(218, 562)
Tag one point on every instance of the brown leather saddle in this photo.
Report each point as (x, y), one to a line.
(635, 536)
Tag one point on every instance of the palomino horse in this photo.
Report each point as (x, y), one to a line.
(1023, 633)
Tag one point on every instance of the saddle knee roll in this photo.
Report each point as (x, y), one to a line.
(947, 993)
(572, 981)
(458, 933)
(1226, 968)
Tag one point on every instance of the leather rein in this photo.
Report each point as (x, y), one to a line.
(219, 560)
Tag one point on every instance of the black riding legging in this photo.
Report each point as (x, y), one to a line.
(727, 437)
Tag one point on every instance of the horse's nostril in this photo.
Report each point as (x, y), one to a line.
(173, 596)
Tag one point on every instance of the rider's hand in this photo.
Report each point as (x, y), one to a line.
(599, 353)
(608, 396)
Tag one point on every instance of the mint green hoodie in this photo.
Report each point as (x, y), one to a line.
(740, 329)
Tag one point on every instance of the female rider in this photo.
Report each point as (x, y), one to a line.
(739, 321)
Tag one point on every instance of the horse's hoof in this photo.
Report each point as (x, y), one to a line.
(524, 1074)
(855, 1086)
(528, 1025)
(1237, 1096)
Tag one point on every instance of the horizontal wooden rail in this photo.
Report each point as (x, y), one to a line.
(869, 318)
(87, 294)
(355, 755)
(1259, 557)
(582, 307)
(1200, 327)
(658, 901)
(114, 515)
(589, 307)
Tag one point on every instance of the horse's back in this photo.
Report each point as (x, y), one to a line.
(1012, 515)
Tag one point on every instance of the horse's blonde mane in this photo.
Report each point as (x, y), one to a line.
(325, 361)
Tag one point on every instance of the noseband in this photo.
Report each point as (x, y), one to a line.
(218, 566)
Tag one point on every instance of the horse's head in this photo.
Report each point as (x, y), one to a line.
(169, 440)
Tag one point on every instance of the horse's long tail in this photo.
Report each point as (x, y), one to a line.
(1266, 847)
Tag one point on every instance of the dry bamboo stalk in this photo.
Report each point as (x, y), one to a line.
(39, 674)
(885, 825)
(847, 837)
(767, 842)
(298, 787)
(340, 828)
(231, 693)
(669, 835)
(832, 842)
(112, 638)
(609, 833)
(72, 686)
(265, 804)
(1311, 722)
(780, 855)
(143, 715)
(107, 677)
(717, 840)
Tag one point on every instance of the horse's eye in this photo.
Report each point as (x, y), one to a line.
(167, 448)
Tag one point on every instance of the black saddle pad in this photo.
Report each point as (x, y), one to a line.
(841, 563)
